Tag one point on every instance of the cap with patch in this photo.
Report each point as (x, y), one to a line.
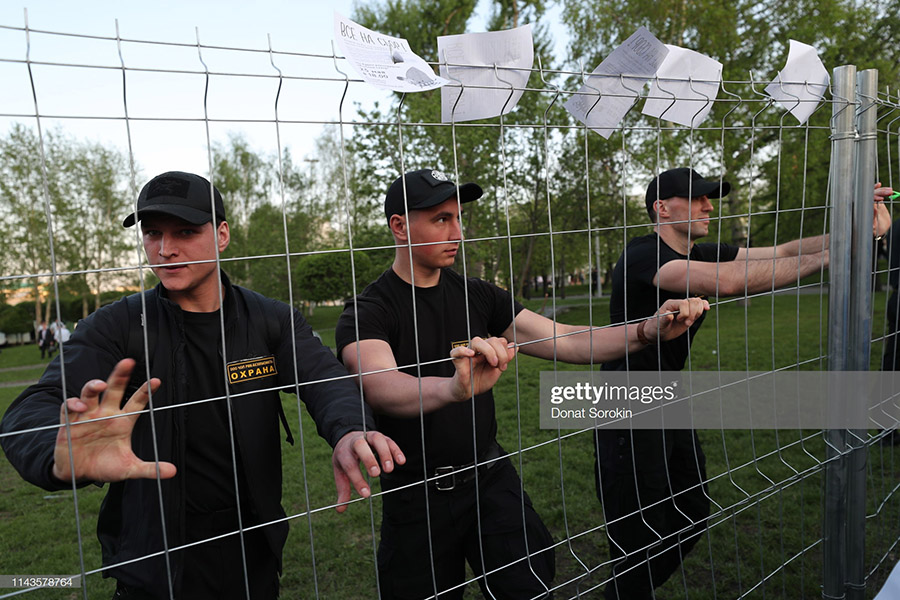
(685, 183)
(424, 189)
(183, 195)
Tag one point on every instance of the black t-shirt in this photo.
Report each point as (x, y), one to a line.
(385, 311)
(208, 470)
(635, 297)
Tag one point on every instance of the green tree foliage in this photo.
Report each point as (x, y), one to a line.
(85, 194)
(330, 276)
(242, 176)
(99, 175)
(772, 162)
(25, 239)
(514, 163)
(15, 319)
(274, 211)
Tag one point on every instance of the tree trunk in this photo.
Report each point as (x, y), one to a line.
(48, 309)
(562, 278)
(37, 303)
(98, 289)
(526, 267)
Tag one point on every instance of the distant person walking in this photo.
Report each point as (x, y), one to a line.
(62, 334)
(45, 340)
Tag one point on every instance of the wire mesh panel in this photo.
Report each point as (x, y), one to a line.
(560, 206)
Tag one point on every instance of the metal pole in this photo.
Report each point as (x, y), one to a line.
(861, 326)
(843, 148)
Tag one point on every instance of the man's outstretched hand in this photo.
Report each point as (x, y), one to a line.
(356, 447)
(101, 450)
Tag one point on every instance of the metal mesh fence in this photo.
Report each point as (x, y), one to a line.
(560, 206)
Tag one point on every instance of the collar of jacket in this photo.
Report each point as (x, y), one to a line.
(228, 297)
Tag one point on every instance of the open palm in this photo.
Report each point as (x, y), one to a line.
(100, 432)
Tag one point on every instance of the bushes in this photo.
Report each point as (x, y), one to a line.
(15, 319)
(323, 277)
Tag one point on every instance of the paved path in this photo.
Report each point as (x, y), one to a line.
(9, 384)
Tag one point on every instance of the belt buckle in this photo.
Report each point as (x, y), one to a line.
(440, 482)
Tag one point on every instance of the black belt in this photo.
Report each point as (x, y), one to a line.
(447, 479)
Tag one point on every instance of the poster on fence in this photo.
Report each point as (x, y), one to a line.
(487, 72)
(383, 61)
(685, 87)
(801, 84)
(612, 88)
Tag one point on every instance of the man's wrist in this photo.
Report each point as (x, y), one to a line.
(642, 337)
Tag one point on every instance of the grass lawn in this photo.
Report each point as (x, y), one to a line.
(765, 535)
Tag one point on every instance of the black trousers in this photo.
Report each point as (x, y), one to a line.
(409, 567)
(651, 484)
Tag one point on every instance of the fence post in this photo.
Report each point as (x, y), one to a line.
(843, 146)
(861, 325)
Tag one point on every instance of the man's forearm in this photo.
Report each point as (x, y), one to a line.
(809, 245)
(400, 395)
(766, 275)
(581, 344)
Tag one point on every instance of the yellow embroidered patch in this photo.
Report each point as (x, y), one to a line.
(251, 368)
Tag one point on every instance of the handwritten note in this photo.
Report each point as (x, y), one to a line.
(383, 61)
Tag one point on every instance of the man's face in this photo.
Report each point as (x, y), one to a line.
(169, 240)
(688, 215)
(436, 224)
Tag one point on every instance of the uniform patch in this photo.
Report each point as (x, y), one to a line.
(251, 368)
(458, 344)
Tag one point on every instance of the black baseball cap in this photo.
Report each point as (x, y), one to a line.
(683, 182)
(424, 189)
(180, 194)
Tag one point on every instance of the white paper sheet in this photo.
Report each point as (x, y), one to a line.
(383, 61)
(802, 82)
(512, 48)
(891, 588)
(686, 84)
(637, 58)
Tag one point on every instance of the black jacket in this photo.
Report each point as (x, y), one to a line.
(129, 525)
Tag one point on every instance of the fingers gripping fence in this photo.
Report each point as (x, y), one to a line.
(792, 513)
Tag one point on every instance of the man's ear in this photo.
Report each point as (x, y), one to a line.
(223, 236)
(398, 227)
(661, 210)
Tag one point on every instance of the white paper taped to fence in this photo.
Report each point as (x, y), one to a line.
(383, 61)
(618, 79)
(685, 87)
(802, 82)
(512, 49)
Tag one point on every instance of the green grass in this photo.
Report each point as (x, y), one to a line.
(21, 364)
(767, 484)
(20, 356)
